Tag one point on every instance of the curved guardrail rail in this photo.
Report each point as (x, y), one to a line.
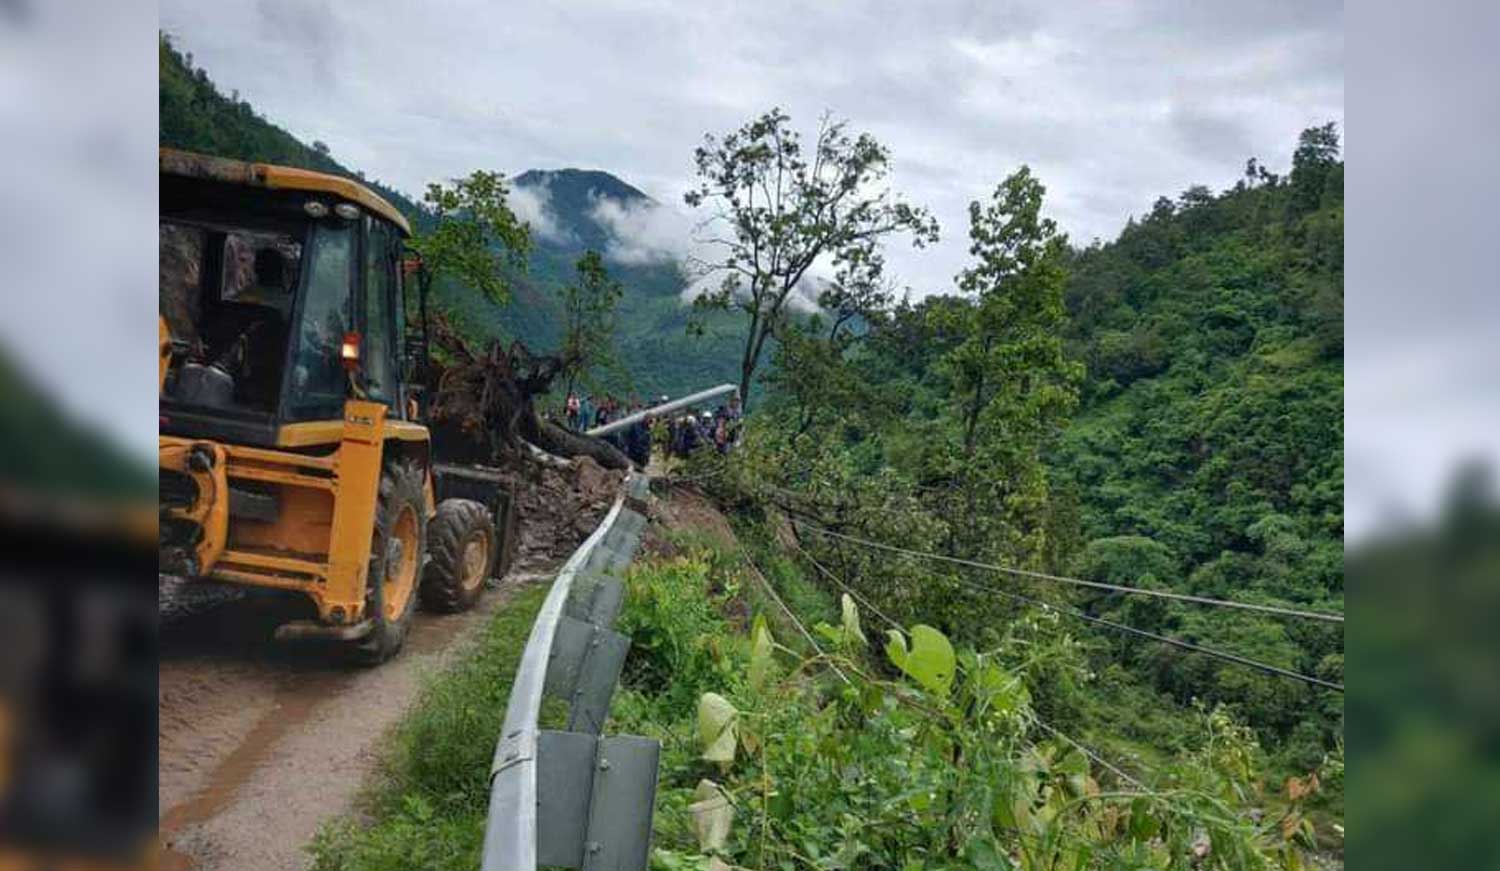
(573, 797)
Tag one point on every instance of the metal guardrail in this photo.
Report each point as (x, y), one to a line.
(573, 797)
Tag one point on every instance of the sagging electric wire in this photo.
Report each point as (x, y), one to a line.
(1165, 639)
(1057, 733)
(1090, 753)
(1100, 621)
(1098, 585)
(853, 594)
(770, 590)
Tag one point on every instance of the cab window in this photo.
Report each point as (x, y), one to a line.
(379, 353)
(318, 383)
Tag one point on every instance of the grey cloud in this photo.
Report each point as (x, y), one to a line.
(1115, 97)
(533, 204)
(1209, 132)
(309, 25)
(643, 232)
(1111, 104)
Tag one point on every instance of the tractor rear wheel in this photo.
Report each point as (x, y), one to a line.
(396, 548)
(463, 553)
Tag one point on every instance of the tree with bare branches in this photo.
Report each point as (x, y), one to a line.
(777, 212)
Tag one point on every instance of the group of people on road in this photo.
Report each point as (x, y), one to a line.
(679, 435)
(693, 430)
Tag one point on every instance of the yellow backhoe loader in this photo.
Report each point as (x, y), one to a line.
(293, 454)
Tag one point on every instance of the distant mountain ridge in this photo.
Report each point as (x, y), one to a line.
(573, 196)
(656, 354)
(574, 189)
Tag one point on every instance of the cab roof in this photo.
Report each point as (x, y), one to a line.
(193, 165)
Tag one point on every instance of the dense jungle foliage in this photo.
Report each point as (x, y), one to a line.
(1164, 410)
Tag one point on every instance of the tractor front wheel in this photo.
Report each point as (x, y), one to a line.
(396, 548)
(463, 554)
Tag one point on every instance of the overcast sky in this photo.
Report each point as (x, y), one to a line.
(1112, 104)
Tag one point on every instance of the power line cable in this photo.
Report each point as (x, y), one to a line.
(1090, 753)
(1098, 585)
(1085, 749)
(766, 585)
(846, 588)
(1175, 642)
(1081, 615)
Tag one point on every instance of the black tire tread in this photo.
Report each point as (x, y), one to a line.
(401, 482)
(442, 584)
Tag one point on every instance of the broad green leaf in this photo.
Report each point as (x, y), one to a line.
(712, 815)
(761, 647)
(1143, 824)
(1073, 762)
(929, 661)
(852, 631)
(895, 648)
(716, 728)
(999, 690)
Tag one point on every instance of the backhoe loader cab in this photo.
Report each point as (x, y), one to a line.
(291, 457)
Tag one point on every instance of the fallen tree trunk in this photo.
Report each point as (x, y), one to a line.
(565, 443)
(482, 408)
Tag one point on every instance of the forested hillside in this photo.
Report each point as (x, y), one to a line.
(195, 116)
(1162, 411)
(1208, 451)
(655, 353)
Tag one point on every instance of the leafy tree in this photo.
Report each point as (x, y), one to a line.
(474, 235)
(778, 211)
(1011, 385)
(859, 293)
(588, 310)
(1316, 155)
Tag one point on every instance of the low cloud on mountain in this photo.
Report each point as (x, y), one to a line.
(643, 231)
(532, 203)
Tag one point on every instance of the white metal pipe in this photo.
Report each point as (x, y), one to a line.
(664, 408)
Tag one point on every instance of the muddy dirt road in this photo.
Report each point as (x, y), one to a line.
(259, 742)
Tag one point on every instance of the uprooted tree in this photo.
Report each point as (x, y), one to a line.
(482, 408)
(482, 405)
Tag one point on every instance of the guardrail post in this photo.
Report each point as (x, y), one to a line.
(585, 666)
(589, 816)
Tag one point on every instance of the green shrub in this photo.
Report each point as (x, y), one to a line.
(945, 767)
